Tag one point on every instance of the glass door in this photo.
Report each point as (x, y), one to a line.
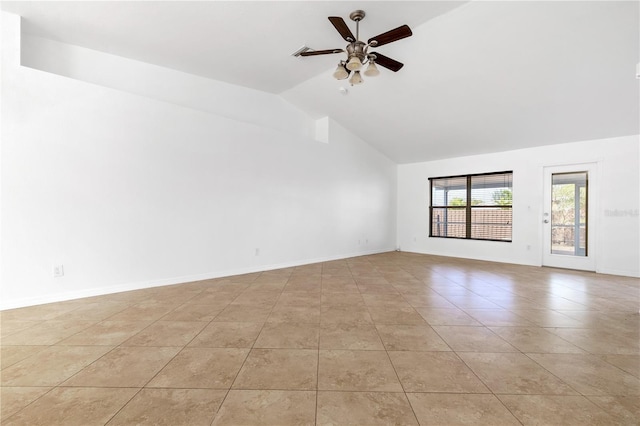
(568, 217)
(569, 213)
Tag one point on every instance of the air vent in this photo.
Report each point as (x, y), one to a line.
(301, 50)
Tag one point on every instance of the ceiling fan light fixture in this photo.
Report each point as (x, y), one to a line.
(354, 63)
(355, 78)
(341, 72)
(372, 70)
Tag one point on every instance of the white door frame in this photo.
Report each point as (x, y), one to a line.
(585, 263)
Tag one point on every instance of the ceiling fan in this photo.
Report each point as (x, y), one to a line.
(358, 51)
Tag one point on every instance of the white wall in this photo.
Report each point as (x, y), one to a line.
(128, 191)
(618, 235)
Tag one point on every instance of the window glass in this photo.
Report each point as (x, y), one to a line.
(475, 207)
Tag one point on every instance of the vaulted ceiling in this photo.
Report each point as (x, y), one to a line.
(479, 76)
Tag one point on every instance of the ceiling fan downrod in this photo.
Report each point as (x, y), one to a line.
(357, 16)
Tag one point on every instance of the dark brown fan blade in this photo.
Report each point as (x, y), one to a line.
(390, 36)
(342, 28)
(387, 62)
(321, 52)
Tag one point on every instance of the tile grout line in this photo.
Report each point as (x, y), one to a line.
(249, 349)
(243, 362)
(161, 368)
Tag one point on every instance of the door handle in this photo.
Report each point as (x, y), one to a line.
(546, 221)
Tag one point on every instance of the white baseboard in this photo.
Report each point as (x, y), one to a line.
(606, 271)
(481, 258)
(101, 291)
(620, 272)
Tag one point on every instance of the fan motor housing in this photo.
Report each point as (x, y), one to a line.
(357, 48)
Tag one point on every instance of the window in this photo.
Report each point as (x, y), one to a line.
(477, 207)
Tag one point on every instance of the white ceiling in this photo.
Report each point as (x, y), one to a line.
(479, 76)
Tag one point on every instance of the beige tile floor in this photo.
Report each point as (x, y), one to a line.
(394, 338)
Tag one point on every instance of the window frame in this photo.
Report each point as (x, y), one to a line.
(469, 207)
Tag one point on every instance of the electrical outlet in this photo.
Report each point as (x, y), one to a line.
(58, 271)
(257, 252)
